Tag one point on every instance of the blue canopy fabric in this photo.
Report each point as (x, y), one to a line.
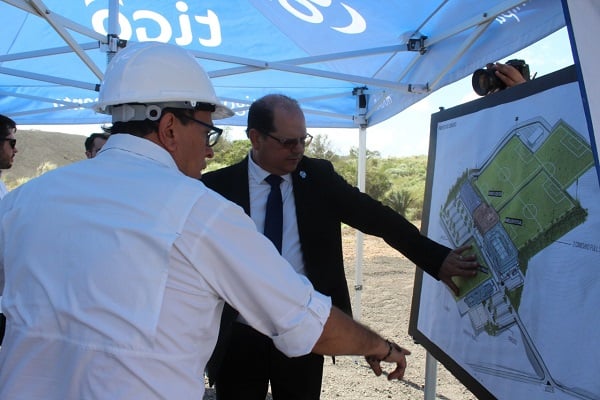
(349, 62)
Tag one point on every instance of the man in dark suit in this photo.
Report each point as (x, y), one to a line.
(316, 200)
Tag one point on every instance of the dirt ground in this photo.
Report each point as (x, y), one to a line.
(388, 280)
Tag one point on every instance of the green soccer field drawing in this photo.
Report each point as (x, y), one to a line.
(513, 177)
(510, 208)
(514, 206)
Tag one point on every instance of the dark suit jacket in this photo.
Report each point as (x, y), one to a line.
(324, 200)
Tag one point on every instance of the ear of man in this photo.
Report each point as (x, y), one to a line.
(255, 137)
(166, 134)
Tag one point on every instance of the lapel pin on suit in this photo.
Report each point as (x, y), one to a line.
(302, 174)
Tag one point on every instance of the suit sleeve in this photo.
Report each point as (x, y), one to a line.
(370, 216)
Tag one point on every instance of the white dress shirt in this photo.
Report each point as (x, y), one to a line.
(259, 192)
(114, 273)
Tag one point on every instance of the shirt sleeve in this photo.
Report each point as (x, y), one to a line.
(293, 340)
(242, 267)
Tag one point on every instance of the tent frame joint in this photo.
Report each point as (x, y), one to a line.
(361, 105)
(417, 43)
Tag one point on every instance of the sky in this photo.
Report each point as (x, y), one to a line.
(407, 133)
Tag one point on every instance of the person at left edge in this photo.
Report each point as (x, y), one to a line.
(8, 150)
(8, 147)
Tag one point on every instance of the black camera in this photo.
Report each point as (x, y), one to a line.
(485, 80)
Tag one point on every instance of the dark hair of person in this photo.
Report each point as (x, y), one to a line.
(146, 127)
(89, 141)
(6, 124)
(262, 112)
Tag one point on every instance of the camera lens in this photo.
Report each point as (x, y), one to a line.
(485, 81)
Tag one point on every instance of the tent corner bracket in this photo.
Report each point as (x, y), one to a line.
(417, 43)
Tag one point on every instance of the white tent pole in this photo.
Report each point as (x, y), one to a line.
(47, 78)
(112, 36)
(430, 377)
(46, 52)
(113, 17)
(361, 111)
(362, 171)
(416, 87)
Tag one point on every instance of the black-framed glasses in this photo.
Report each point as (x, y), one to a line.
(11, 141)
(212, 137)
(291, 143)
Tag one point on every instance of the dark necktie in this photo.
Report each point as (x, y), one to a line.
(274, 214)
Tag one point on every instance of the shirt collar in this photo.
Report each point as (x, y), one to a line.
(258, 174)
(139, 146)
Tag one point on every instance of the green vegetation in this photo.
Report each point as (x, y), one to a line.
(396, 182)
(228, 152)
(39, 152)
(41, 169)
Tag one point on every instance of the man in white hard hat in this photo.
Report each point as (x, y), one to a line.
(136, 315)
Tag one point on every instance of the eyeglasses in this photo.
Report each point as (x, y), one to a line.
(291, 143)
(212, 137)
(12, 142)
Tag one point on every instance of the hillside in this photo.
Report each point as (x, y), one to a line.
(38, 147)
(398, 182)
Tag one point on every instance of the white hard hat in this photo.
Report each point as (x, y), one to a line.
(145, 77)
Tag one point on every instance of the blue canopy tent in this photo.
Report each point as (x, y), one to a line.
(350, 63)
(327, 54)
